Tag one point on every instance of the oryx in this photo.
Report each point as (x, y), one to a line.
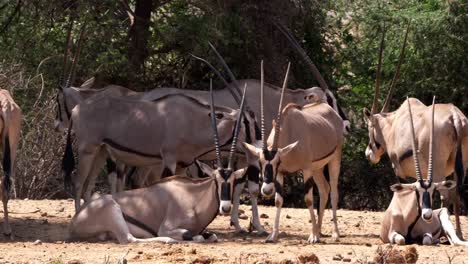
(140, 133)
(304, 138)
(174, 209)
(10, 127)
(389, 132)
(409, 217)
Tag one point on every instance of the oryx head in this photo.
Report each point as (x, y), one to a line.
(270, 157)
(224, 176)
(376, 147)
(316, 94)
(424, 188)
(65, 81)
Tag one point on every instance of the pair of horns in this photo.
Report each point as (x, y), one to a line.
(386, 105)
(262, 112)
(415, 147)
(70, 77)
(236, 129)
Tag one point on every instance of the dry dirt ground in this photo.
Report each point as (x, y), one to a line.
(47, 221)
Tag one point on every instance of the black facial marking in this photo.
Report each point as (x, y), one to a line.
(225, 173)
(268, 173)
(225, 191)
(166, 173)
(426, 200)
(253, 173)
(279, 189)
(269, 155)
(248, 137)
(407, 154)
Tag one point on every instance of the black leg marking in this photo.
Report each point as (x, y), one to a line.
(187, 236)
(166, 173)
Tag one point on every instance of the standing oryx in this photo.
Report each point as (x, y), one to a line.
(303, 139)
(141, 133)
(389, 132)
(174, 209)
(409, 217)
(10, 127)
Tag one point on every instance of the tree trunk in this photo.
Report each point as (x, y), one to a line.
(138, 35)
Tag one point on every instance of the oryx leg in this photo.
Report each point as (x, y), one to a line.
(273, 237)
(448, 228)
(98, 164)
(254, 189)
(323, 189)
(169, 166)
(397, 226)
(238, 188)
(334, 167)
(5, 197)
(314, 237)
(85, 165)
(112, 175)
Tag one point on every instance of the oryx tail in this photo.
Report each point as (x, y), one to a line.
(68, 161)
(459, 169)
(7, 162)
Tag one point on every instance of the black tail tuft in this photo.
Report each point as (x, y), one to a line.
(7, 165)
(68, 162)
(459, 171)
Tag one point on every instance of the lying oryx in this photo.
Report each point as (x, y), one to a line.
(304, 139)
(389, 132)
(140, 133)
(174, 209)
(10, 127)
(409, 217)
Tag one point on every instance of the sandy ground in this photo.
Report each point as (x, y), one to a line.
(47, 220)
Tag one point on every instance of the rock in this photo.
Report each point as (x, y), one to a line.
(266, 223)
(202, 260)
(44, 214)
(243, 217)
(61, 209)
(193, 251)
(26, 199)
(350, 253)
(140, 252)
(288, 217)
(241, 211)
(287, 261)
(264, 216)
(37, 242)
(75, 261)
(346, 259)
(368, 245)
(308, 258)
(357, 225)
(337, 257)
(68, 216)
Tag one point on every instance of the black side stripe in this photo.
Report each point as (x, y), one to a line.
(326, 156)
(139, 224)
(126, 149)
(406, 154)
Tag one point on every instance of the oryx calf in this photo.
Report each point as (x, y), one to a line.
(174, 129)
(10, 127)
(174, 209)
(409, 217)
(303, 139)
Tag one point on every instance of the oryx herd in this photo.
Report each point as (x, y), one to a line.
(162, 142)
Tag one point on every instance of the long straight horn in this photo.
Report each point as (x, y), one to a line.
(375, 102)
(304, 55)
(237, 129)
(386, 105)
(431, 146)
(415, 148)
(280, 108)
(215, 127)
(65, 54)
(234, 94)
(77, 55)
(223, 62)
(262, 107)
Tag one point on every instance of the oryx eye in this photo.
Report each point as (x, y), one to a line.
(219, 116)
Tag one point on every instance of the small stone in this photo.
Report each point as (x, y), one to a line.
(357, 225)
(264, 216)
(140, 252)
(68, 216)
(266, 223)
(346, 260)
(281, 251)
(288, 217)
(26, 199)
(37, 242)
(337, 257)
(368, 245)
(243, 217)
(350, 253)
(61, 209)
(202, 260)
(44, 222)
(44, 214)
(241, 211)
(75, 261)
(193, 251)
(308, 258)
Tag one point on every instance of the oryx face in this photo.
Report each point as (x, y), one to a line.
(253, 135)
(375, 149)
(225, 181)
(424, 191)
(270, 162)
(62, 114)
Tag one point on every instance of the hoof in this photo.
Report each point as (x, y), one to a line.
(242, 231)
(262, 233)
(213, 238)
(336, 236)
(313, 239)
(198, 239)
(272, 238)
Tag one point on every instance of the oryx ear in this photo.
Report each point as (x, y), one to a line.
(238, 174)
(367, 114)
(251, 149)
(206, 169)
(445, 185)
(398, 187)
(284, 151)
